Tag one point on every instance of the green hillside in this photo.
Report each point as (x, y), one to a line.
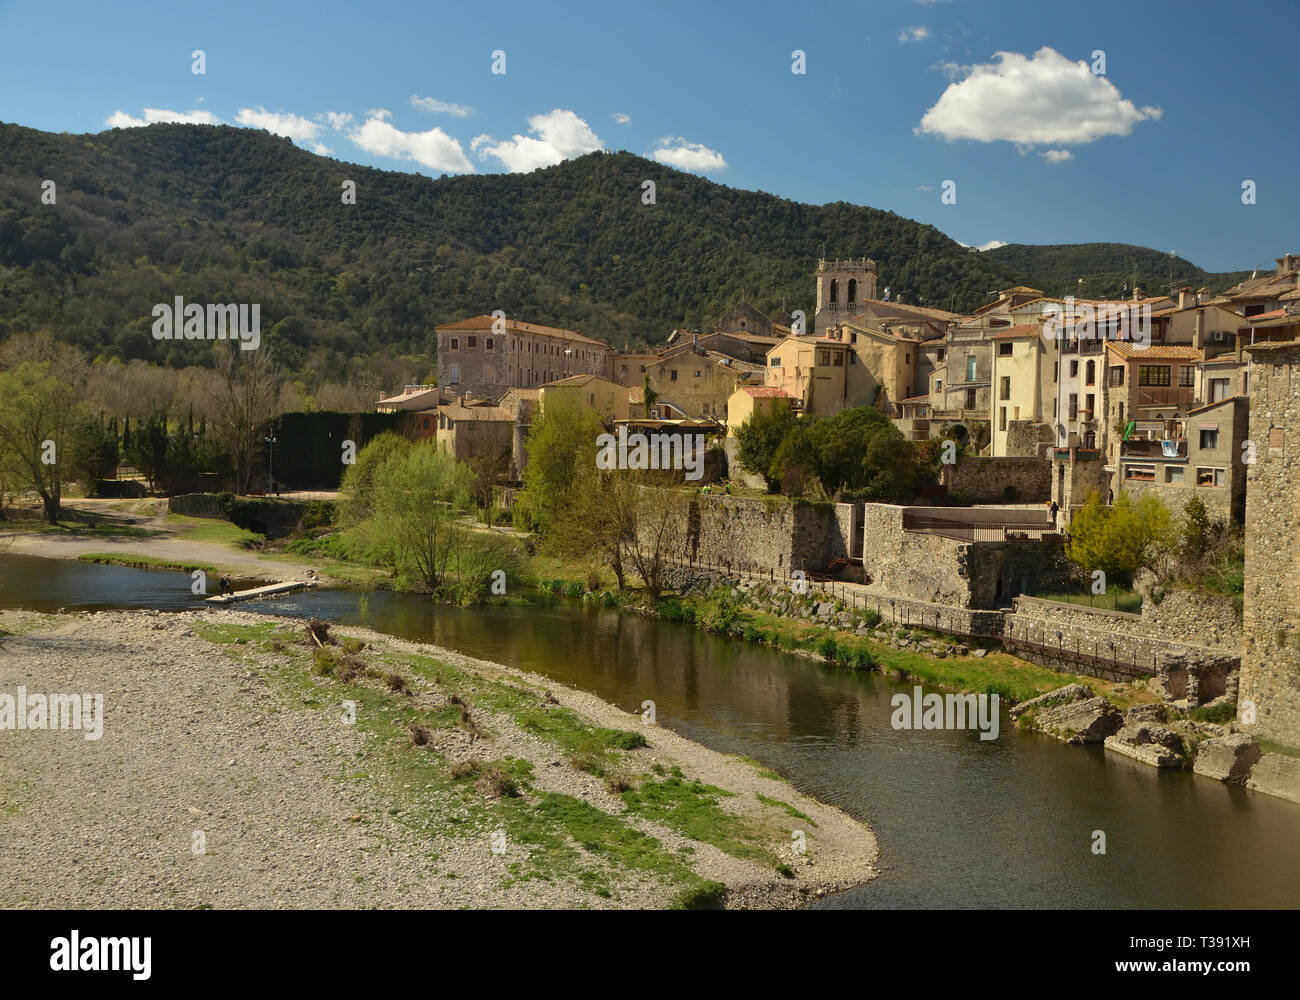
(1107, 269)
(223, 214)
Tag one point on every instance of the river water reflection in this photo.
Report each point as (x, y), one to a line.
(961, 822)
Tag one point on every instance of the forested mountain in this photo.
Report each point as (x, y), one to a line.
(222, 214)
(1107, 269)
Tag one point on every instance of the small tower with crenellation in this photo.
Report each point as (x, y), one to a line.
(841, 286)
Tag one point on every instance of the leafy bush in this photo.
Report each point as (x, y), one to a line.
(827, 648)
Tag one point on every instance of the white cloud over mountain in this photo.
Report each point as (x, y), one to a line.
(437, 107)
(690, 156)
(1043, 99)
(554, 137)
(153, 116)
(433, 149)
(303, 131)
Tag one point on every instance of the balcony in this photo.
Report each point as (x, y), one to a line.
(1180, 396)
(1138, 448)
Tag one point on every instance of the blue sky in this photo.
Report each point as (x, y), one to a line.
(898, 97)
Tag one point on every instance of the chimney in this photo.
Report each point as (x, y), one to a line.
(460, 400)
(1138, 294)
(1186, 298)
(1287, 263)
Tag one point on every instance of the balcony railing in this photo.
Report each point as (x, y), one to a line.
(1180, 395)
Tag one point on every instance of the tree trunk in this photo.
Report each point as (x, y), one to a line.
(51, 503)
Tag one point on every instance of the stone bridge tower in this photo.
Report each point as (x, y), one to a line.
(841, 286)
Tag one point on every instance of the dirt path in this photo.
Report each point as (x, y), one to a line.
(170, 545)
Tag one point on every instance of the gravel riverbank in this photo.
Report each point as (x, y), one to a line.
(226, 777)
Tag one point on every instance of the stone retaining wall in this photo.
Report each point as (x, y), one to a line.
(1127, 642)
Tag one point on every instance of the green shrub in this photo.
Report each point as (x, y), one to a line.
(827, 648)
(871, 618)
(1224, 711)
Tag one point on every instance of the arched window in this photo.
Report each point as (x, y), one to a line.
(853, 290)
(835, 290)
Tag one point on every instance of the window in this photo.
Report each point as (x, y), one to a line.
(1121, 413)
(1218, 389)
(1004, 350)
(938, 385)
(823, 356)
(473, 341)
(853, 359)
(698, 374)
(1091, 377)
(907, 358)
(1002, 418)
(1186, 376)
(853, 290)
(455, 374)
(1074, 406)
(839, 360)
(1174, 475)
(853, 338)
(1209, 439)
(774, 362)
(1142, 473)
(455, 343)
(1074, 369)
(1209, 477)
(970, 399)
(673, 376)
(1116, 374)
(939, 356)
(1156, 375)
(1006, 388)
(1089, 404)
(835, 291)
(970, 370)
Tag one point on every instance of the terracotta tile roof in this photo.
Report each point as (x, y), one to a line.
(1274, 314)
(765, 392)
(476, 323)
(572, 380)
(490, 413)
(926, 311)
(521, 393)
(1210, 406)
(1161, 352)
(1024, 331)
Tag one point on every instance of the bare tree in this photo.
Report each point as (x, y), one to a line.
(242, 393)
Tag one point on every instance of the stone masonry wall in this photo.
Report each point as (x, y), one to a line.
(1270, 672)
(1186, 669)
(986, 480)
(772, 536)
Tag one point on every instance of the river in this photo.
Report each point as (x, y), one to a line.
(962, 823)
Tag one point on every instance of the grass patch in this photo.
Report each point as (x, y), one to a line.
(1272, 746)
(146, 562)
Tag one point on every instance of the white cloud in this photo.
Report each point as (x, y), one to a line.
(990, 245)
(437, 107)
(433, 149)
(620, 118)
(1057, 155)
(301, 130)
(691, 156)
(916, 33)
(338, 120)
(152, 116)
(1043, 99)
(556, 136)
(925, 187)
